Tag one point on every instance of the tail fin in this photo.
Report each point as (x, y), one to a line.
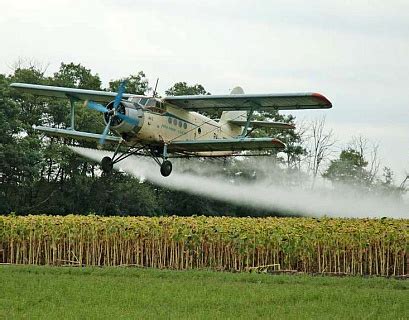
(234, 115)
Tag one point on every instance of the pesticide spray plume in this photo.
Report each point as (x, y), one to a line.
(205, 180)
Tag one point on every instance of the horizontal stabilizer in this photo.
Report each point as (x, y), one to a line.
(77, 135)
(241, 144)
(263, 124)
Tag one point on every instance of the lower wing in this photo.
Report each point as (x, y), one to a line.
(77, 135)
(225, 145)
(263, 124)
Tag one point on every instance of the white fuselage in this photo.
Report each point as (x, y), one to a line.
(158, 126)
(177, 124)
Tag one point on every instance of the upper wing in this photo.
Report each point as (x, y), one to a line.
(61, 92)
(263, 124)
(259, 102)
(225, 145)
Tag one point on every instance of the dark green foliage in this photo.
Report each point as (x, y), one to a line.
(183, 89)
(183, 204)
(292, 139)
(349, 168)
(386, 185)
(76, 76)
(20, 154)
(136, 84)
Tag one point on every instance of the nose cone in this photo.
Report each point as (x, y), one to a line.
(237, 90)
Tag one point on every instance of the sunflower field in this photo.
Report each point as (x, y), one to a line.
(353, 246)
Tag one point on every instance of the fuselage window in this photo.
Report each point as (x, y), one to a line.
(185, 125)
(175, 122)
(199, 130)
(170, 120)
(180, 124)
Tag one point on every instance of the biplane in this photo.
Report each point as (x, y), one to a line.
(173, 126)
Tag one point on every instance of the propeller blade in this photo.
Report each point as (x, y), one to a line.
(127, 119)
(105, 132)
(118, 97)
(96, 106)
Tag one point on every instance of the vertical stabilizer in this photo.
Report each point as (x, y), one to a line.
(234, 115)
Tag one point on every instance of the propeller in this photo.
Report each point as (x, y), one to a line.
(111, 113)
(105, 132)
(96, 106)
(119, 95)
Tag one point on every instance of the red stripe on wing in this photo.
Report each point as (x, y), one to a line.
(323, 99)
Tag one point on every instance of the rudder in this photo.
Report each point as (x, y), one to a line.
(234, 115)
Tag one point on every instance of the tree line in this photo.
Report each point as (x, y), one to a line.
(40, 175)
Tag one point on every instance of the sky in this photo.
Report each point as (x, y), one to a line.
(354, 52)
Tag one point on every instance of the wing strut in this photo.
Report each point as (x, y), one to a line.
(72, 103)
(249, 115)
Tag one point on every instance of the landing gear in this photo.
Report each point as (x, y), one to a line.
(107, 165)
(166, 168)
(158, 155)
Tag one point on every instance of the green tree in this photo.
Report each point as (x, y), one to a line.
(61, 163)
(292, 139)
(386, 185)
(76, 76)
(135, 84)
(20, 149)
(349, 168)
(183, 89)
(30, 107)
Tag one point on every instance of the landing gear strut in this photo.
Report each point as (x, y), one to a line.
(107, 163)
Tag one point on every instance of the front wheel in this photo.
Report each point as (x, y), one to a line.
(166, 168)
(107, 164)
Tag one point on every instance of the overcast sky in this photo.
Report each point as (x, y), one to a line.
(354, 52)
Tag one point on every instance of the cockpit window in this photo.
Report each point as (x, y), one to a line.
(143, 101)
(154, 105)
(150, 103)
(159, 105)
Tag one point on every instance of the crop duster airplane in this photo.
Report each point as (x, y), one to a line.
(172, 126)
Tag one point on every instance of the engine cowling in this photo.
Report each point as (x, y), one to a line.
(122, 127)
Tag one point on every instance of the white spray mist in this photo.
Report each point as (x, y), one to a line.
(262, 193)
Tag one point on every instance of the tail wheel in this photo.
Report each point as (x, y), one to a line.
(107, 164)
(166, 168)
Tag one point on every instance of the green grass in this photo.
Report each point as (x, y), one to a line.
(123, 293)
